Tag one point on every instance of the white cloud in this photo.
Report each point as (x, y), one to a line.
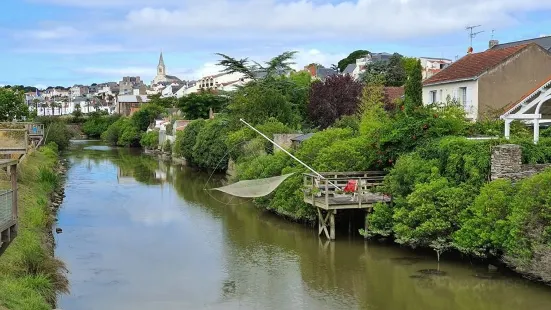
(306, 57)
(127, 71)
(356, 20)
(71, 49)
(60, 32)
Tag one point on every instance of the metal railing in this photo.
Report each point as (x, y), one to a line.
(35, 129)
(6, 208)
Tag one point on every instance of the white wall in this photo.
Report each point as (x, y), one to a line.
(452, 89)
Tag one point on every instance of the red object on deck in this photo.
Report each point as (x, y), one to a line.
(350, 186)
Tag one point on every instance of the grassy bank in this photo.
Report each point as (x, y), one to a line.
(30, 276)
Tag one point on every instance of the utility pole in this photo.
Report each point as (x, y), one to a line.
(473, 34)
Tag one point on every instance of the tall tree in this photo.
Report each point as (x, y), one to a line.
(12, 105)
(351, 59)
(274, 67)
(338, 95)
(409, 63)
(396, 74)
(197, 105)
(414, 87)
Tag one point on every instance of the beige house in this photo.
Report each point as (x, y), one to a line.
(486, 83)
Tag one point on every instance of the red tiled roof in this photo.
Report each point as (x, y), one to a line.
(393, 93)
(473, 65)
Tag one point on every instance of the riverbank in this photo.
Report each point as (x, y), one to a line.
(30, 276)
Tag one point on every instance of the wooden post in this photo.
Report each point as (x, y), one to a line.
(332, 224)
(13, 176)
(326, 193)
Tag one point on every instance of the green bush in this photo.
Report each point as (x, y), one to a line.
(246, 142)
(345, 155)
(210, 151)
(96, 124)
(58, 133)
(150, 140)
(146, 115)
(429, 216)
(528, 248)
(167, 147)
(484, 224)
(123, 133)
(185, 141)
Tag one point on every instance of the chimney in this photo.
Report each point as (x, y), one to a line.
(493, 43)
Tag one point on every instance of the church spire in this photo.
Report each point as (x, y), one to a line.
(161, 61)
(161, 69)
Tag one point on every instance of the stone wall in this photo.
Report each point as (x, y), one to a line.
(506, 163)
(284, 140)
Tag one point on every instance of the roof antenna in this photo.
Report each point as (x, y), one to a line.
(473, 34)
(493, 30)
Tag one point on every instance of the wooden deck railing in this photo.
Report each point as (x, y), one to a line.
(6, 209)
(13, 141)
(328, 192)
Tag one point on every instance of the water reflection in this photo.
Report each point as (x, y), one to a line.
(142, 234)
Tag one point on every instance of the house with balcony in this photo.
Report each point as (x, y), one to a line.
(430, 66)
(485, 83)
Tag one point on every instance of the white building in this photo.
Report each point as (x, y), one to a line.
(488, 82)
(431, 66)
(78, 91)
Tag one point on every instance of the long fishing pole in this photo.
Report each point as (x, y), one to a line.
(286, 152)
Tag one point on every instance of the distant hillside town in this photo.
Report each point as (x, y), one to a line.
(131, 91)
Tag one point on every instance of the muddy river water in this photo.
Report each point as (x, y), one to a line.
(142, 234)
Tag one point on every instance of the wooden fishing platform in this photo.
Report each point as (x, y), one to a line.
(16, 137)
(8, 205)
(328, 195)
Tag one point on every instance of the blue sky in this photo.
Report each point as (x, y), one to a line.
(64, 42)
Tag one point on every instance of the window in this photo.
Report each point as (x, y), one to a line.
(441, 96)
(463, 96)
(432, 96)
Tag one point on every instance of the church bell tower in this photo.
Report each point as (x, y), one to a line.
(161, 69)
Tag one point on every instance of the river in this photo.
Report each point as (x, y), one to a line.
(142, 234)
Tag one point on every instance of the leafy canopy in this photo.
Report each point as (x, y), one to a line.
(12, 105)
(198, 105)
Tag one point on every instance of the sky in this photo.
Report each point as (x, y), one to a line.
(67, 42)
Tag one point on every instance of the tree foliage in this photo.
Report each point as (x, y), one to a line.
(167, 102)
(329, 100)
(210, 151)
(146, 115)
(414, 87)
(351, 59)
(97, 123)
(186, 139)
(12, 105)
(198, 105)
(278, 65)
(150, 139)
(259, 102)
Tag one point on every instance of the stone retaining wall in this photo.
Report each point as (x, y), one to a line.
(506, 163)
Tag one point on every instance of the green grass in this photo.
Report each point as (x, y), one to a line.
(30, 277)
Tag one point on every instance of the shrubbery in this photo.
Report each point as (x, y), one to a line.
(123, 133)
(210, 151)
(96, 124)
(185, 140)
(58, 133)
(150, 140)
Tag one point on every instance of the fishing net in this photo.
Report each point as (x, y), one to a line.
(253, 188)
